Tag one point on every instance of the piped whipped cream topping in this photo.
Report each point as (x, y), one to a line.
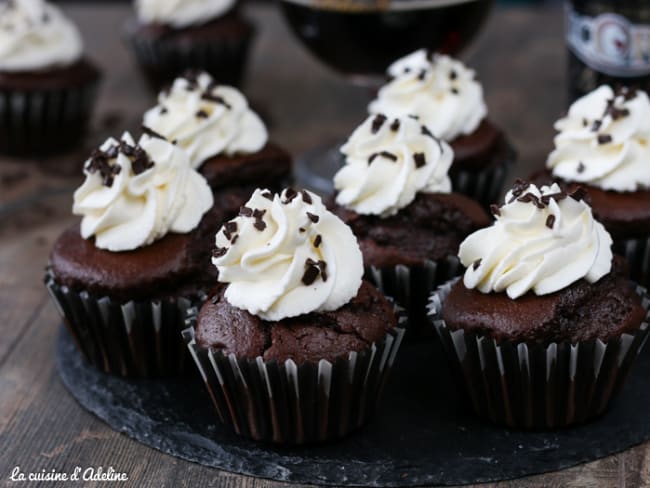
(181, 13)
(135, 194)
(287, 255)
(605, 141)
(542, 240)
(206, 119)
(34, 35)
(440, 90)
(387, 162)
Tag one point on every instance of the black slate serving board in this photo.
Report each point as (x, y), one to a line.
(423, 433)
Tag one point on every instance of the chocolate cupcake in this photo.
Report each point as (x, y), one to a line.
(602, 145)
(395, 193)
(296, 349)
(226, 141)
(545, 324)
(172, 36)
(445, 96)
(124, 279)
(48, 87)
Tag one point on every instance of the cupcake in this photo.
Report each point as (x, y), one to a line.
(294, 347)
(226, 141)
(544, 326)
(603, 144)
(48, 86)
(124, 278)
(445, 96)
(171, 36)
(395, 193)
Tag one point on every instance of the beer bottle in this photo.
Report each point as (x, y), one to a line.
(608, 43)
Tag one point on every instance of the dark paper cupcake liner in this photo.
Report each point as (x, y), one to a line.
(532, 386)
(484, 186)
(637, 254)
(411, 287)
(45, 122)
(164, 59)
(286, 403)
(134, 339)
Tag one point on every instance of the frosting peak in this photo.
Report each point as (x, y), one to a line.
(181, 13)
(287, 255)
(605, 141)
(440, 90)
(206, 119)
(543, 240)
(35, 34)
(387, 162)
(134, 193)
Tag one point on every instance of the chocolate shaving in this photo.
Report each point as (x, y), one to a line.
(453, 75)
(234, 239)
(268, 195)
(289, 195)
(211, 97)
(384, 154)
(218, 252)
(202, 114)
(377, 122)
(163, 110)
(476, 264)
(420, 160)
(306, 197)
(259, 223)
(581, 167)
(496, 210)
(595, 126)
(152, 133)
(455, 91)
(585, 122)
(245, 211)
(422, 75)
(604, 139)
(229, 228)
(394, 126)
(518, 188)
(318, 240)
(314, 218)
(578, 194)
(312, 270)
(550, 220)
(531, 198)
(141, 161)
(302, 229)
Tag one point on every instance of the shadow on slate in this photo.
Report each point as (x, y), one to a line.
(423, 433)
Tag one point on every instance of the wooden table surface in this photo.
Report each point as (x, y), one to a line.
(520, 59)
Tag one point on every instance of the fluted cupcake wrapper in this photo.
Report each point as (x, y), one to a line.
(411, 286)
(133, 339)
(164, 59)
(637, 254)
(44, 121)
(286, 403)
(532, 386)
(484, 186)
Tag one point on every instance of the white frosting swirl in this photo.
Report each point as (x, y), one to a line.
(130, 201)
(605, 141)
(181, 13)
(287, 255)
(206, 119)
(542, 242)
(440, 90)
(387, 162)
(35, 34)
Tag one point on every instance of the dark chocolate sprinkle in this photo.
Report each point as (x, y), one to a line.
(152, 133)
(422, 75)
(585, 122)
(420, 160)
(268, 195)
(318, 240)
(395, 125)
(302, 229)
(289, 195)
(245, 211)
(550, 220)
(579, 194)
(604, 139)
(217, 252)
(595, 126)
(454, 91)
(453, 75)
(306, 197)
(260, 225)
(581, 167)
(496, 210)
(476, 264)
(377, 122)
(163, 110)
(210, 97)
(311, 272)
(314, 218)
(384, 154)
(234, 239)
(202, 114)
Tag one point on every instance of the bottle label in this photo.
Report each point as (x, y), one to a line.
(609, 43)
